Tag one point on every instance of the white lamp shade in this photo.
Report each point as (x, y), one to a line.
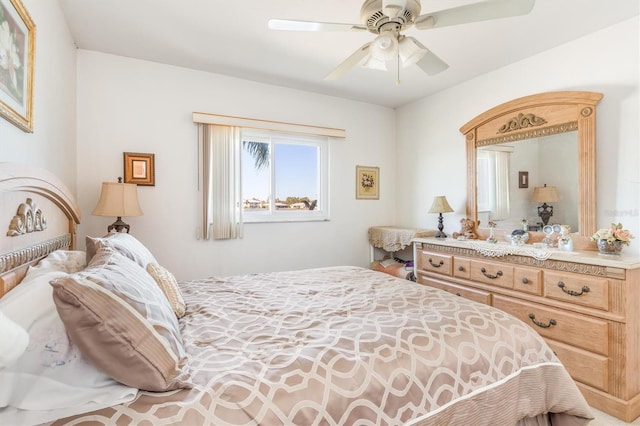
(118, 199)
(410, 51)
(14, 341)
(545, 194)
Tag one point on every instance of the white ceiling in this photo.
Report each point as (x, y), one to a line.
(231, 37)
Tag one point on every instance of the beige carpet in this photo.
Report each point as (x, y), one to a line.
(603, 419)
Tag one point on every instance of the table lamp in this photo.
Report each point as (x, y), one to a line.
(118, 199)
(545, 194)
(440, 205)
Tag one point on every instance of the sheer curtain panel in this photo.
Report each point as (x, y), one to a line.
(502, 209)
(222, 204)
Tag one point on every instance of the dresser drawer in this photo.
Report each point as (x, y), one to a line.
(433, 262)
(527, 280)
(574, 329)
(468, 293)
(492, 273)
(579, 289)
(585, 367)
(461, 267)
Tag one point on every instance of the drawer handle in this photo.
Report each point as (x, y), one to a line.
(585, 289)
(436, 265)
(525, 281)
(460, 268)
(493, 277)
(541, 324)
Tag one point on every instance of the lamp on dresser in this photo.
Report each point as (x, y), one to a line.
(545, 194)
(118, 199)
(440, 205)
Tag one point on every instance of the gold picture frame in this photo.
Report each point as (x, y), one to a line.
(139, 168)
(16, 80)
(367, 183)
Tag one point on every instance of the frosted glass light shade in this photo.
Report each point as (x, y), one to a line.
(383, 48)
(410, 51)
(375, 64)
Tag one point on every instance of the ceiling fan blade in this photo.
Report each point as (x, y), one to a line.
(432, 64)
(349, 63)
(481, 11)
(289, 25)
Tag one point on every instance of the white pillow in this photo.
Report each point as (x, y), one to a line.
(14, 341)
(52, 379)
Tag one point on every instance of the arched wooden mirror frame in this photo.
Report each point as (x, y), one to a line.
(535, 116)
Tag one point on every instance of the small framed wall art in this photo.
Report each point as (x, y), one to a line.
(523, 179)
(139, 168)
(17, 40)
(367, 183)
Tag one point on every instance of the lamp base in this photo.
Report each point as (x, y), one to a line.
(545, 211)
(119, 226)
(440, 233)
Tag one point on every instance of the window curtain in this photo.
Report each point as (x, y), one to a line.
(502, 210)
(221, 186)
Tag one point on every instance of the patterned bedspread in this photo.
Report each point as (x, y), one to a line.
(346, 345)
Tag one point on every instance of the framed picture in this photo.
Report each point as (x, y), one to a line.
(139, 168)
(367, 183)
(523, 179)
(17, 35)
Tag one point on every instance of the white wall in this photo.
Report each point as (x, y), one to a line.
(431, 148)
(127, 105)
(52, 145)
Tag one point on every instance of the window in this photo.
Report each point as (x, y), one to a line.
(284, 177)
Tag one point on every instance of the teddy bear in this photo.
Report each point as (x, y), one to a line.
(467, 230)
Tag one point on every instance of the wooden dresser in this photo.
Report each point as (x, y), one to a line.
(587, 307)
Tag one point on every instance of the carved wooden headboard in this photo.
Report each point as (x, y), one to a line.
(38, 215)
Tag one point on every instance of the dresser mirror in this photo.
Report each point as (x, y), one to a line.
(516, 149)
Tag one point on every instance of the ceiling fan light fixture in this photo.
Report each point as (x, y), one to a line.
(375, 64)
(410, 51)
(384, 47)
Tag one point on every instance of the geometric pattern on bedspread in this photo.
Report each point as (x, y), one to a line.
(342, 344)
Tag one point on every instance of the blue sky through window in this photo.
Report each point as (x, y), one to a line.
(296, 173)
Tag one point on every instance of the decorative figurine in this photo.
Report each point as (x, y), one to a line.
(467, 230)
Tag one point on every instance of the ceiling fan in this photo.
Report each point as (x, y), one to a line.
(387, 19)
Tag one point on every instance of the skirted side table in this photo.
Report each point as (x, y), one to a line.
(393, 239)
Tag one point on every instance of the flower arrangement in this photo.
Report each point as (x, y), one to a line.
(613, 234)
(367, 181)
(492, 238)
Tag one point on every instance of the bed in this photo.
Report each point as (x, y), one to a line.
(330, 346)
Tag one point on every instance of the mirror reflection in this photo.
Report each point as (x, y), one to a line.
(509, 174)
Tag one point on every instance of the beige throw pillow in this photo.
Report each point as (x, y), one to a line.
(167, 282)
(122, 322)
(125, 243)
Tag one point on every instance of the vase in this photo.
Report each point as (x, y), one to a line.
(492, 237)
(606, 247)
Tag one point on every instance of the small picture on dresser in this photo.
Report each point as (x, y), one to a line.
(367, 183)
